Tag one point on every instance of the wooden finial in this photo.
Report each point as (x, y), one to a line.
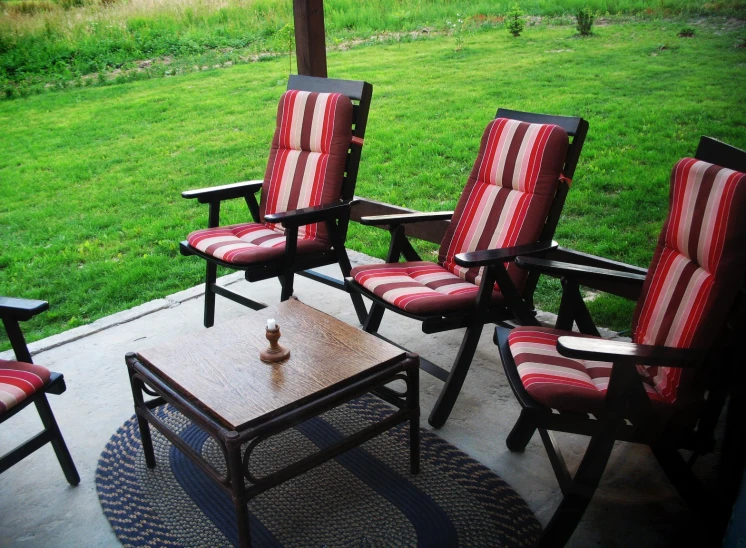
(275, 352)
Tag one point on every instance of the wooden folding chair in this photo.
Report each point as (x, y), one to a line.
(510, 206)
(23, 383)
(665, 389)
(300, 222)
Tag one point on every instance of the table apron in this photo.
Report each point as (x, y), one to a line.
(231, 441)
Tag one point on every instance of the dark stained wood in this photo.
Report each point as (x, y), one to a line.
(430, 231)
(307, 215)
(310, 41)
(21, 309)
(220, 371)
(488, 256)
(621, 352)
(223, 192)
(620, 288)
(356, 90)
(716, 152)
(406, 218)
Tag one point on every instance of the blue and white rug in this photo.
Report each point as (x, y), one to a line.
(364, 497)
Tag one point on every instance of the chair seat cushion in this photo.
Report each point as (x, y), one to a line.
(419, 287)
(248, 243)
(18, 381)
(562, 383)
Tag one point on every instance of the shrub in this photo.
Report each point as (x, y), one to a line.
(686, 32)
(585, 21)
(514, 20)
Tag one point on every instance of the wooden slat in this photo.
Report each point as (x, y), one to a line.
(569, 123)
(431, 231)
(614, 288)
(719, 153)
(354, 89)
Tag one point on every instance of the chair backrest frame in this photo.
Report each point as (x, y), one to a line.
(576, 128)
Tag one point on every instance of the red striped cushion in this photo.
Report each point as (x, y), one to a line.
(247, 243)
(418, 287)
(556, 381)
(18, 381)
(509, 192)
(697, 268)
(307, 160)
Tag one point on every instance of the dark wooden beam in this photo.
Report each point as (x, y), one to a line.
(310, 42)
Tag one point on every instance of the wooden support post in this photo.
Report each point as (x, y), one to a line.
(310, 44)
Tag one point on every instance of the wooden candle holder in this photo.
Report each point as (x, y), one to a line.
(274, 352)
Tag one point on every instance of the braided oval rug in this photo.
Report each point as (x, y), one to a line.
(364, 497)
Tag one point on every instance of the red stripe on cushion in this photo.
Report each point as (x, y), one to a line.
(557, 381)
(18, 381)
(689, 274)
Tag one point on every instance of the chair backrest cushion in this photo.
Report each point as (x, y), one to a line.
(507, 198)
(307, 160)
(697, 269)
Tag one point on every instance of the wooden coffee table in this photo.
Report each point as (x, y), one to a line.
(216, 379)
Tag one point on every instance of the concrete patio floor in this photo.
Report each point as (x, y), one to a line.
(635, 504)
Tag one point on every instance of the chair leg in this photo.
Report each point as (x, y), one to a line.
(584, 484)
(287, 285)
(450, 391)
(373, 321)
(360, 310)
(522, 432)
(211, 277)
(58, 442)
(683, 479)
(345, 266)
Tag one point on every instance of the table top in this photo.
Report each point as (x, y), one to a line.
(219, 369)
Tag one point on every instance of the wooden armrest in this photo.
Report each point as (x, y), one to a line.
(490, 256)
(21, 309)
(560, 269)
(223, 192)
(406, 218)
(308, 215)
(627, 353)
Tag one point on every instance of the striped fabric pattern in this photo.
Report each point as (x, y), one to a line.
(509, 193)
(247, 243)
(305, 169)
(18, 381)
(555, 380)
(505, 202)
(698, 267)
(418, 287)
(689, 266)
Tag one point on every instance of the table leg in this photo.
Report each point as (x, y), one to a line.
(235, 469)
(413, 403)
(137, 394)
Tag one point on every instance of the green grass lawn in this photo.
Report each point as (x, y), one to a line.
(91, 215)
(51, 44)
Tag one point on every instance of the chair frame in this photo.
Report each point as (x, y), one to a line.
(335, 216)
(13, 311)
(627, 405)
(518, 304)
